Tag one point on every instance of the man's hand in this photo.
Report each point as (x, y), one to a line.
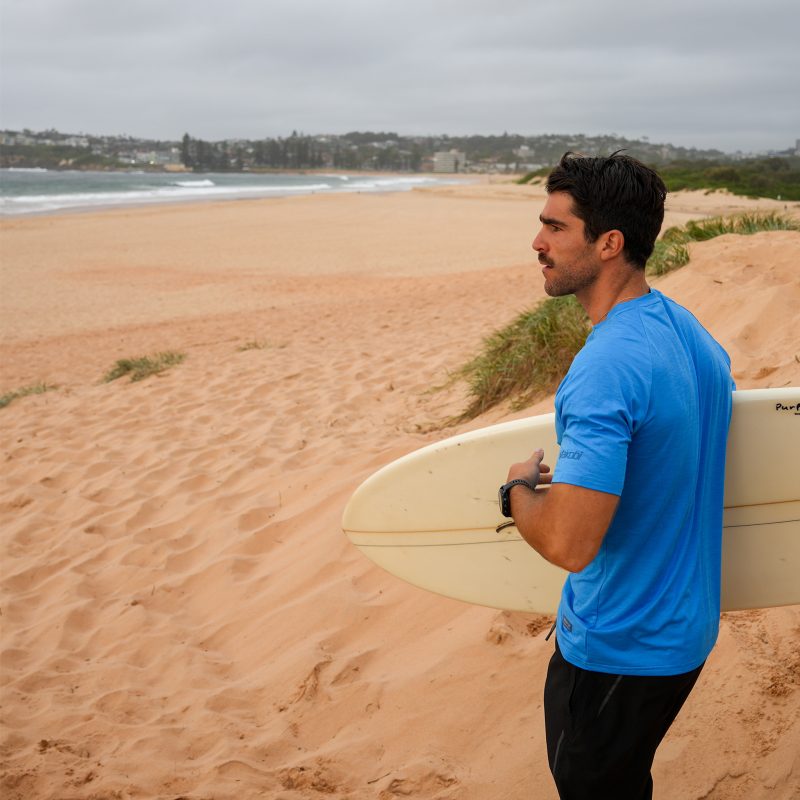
(566, 524)
(531, 470)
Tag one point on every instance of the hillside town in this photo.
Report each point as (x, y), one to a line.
(506, 153)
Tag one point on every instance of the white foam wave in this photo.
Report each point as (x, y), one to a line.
(198, 189)
(388, 184)
(32, 204)
(189, 184)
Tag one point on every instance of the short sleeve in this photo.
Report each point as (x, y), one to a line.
(596, 408)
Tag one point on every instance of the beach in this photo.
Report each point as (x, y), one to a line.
(182, 616)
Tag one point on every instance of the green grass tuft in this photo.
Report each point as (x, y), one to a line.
(667, 256)
(35, 388)
(143, 367)
(743, 224)
(536, 176)
(671, 251)
(528, 357)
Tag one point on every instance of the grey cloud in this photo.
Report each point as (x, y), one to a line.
(711, 73)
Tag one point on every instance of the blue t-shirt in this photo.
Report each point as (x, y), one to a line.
(643, 413)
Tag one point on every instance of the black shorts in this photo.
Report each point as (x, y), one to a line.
(603, 729)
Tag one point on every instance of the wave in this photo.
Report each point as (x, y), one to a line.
(196, 190)
(26, 169)
(389, 184)
(190, 184)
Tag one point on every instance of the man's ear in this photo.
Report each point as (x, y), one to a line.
(611, 244)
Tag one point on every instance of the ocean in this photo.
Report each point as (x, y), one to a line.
(40, 191)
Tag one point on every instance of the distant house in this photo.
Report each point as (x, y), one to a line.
(154, 158)
(18, 138)
(449, 161)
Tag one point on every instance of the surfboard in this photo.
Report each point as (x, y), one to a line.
(432, 517)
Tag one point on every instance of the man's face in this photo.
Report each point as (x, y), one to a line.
(569, 262)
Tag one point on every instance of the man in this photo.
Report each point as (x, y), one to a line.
(634, 507)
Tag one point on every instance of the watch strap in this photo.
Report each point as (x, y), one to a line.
(505, 497)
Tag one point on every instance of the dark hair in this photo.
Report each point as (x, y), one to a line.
(614, 192)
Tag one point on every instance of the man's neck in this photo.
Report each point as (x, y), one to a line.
(610, 289)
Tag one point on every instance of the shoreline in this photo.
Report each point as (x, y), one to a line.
(364, 182)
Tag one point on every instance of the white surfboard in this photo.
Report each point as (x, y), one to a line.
(432, 517)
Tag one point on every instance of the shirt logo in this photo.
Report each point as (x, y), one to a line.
(571, 454)
(566, 624)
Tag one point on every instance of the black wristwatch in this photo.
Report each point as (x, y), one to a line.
(504, 497)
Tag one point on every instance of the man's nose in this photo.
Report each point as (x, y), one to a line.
(538, 244)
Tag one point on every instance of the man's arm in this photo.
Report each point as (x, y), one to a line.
(565, 524)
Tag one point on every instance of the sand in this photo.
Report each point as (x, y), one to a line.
(181, 615)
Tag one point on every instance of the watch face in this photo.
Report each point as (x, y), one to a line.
(502, 497)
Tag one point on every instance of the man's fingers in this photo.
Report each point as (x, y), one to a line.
(531, 470)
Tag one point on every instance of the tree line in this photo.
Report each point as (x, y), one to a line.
(298, 152)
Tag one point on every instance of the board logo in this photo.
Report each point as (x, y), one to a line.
(791, 407)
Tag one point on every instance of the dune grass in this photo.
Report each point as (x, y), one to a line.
(25, 391)
(537, 176)
(143, 367)
(671, 249)
(528, 358)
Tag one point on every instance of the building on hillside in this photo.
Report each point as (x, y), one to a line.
(153, 158)
(18, 139)
(449, 161)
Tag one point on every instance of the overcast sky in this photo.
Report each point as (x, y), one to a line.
(704, 73)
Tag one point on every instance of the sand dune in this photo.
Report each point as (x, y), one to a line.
(181, 614)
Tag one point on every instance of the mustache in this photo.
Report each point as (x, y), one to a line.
(543, 259)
